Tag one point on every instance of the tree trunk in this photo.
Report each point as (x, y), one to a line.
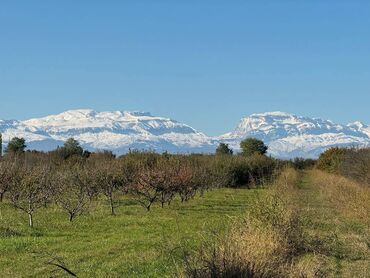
(30, 218)
(30, 212)
(111, 204)
(1, 196)
(71, 216)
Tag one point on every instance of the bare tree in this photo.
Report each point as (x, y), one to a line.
(152, 183)
(202, 178)
(6, 169)
(108, 178)
(30, 187)
(71, 184)
(145, 188)
(185, 182)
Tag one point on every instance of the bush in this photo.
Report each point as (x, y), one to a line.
(356, 165)
(331, 160)
(240, 171)
(300, 163)
(264, 244)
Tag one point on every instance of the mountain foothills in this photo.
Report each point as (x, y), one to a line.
(286, 135)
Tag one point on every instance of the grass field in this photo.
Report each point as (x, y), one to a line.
(309, 224)
(334, 214)
(135, 243)
(336, 211)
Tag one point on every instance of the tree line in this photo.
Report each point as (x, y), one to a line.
(73, 178)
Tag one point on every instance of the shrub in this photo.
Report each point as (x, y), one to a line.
(331, 160)
(300, 163)
(356, 165)
(266, 243)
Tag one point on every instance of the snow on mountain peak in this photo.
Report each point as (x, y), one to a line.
(115, 130)
(290, 135)
(272, 114)
(357, 125)
(139, 114)
(287, 135)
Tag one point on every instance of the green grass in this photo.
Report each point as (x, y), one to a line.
(135, 243)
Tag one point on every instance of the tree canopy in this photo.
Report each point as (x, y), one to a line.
(70, 148)
(16, 145)
(224, 149)
(251, 146)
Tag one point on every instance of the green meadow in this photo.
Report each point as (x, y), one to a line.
(134, 243)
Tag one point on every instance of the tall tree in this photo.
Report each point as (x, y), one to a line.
(70, 148)
(16, 145)
(251, 146)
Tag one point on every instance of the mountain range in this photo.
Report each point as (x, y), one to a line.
(287, 135)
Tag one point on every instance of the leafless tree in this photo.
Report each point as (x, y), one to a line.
(70, 184)
(152, 183)
(145, 188)
(108, 178)
(185, 182)
(6, 173)
(30, 186)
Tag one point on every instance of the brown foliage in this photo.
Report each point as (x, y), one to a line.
(356, 165)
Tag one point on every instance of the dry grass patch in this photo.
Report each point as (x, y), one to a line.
(268, 242)
(309, 224)
(344, 195)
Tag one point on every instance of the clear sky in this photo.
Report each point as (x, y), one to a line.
(205, 63)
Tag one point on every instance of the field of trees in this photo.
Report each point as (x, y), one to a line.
(72, 213)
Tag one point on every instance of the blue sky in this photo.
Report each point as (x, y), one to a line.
(205, 63)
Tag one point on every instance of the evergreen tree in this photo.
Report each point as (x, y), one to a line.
(223, 149)
(70, 148)
(16, 145)
(251, 146)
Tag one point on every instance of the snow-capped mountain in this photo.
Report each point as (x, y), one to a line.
(117, 131)
(286, 135)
